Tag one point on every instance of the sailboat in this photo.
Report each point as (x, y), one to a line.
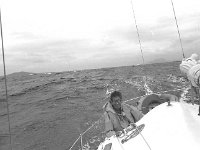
(168, 126)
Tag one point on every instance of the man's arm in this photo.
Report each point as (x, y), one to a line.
(108, 125)
(136, 113)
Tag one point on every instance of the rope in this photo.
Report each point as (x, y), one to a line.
(134, 98)
(137, 32)
(4, 66)
(86, 130)
(145, 79)
(91, 126)
(81, 141)
(148, 91)
(178, 29)
(74, 143)
(143, 138)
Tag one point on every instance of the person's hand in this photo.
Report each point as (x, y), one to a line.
(133, 125)
(130, 127)
(119, 133)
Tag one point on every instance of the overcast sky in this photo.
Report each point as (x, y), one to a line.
(61, 35)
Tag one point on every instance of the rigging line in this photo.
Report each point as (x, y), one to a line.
(96, 122)
(81, 141)
(74, 143)
(143, 63)
(145, 79)
(86, 131)
(6, 88)
(137, 32)
(178, 29)
(88, 128)
(143, 138)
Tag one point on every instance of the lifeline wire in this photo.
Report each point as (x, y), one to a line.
(8, 114)
(81, 141)
(74, 143)
(87, 129)
(178, 29)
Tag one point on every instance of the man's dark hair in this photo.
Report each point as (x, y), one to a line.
(115, 94)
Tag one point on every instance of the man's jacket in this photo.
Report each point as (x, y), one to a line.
(112, 122)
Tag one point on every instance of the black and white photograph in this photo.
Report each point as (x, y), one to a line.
(99, 74)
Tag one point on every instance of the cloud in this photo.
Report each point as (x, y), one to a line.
(25, 35)
(52, 53)
(113, 46)
(43, 51)
(162, 36)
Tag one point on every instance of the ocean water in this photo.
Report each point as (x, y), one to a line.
(49, 111)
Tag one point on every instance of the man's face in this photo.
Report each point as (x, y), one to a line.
(116, 102)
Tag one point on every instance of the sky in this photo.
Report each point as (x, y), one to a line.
(62, 35)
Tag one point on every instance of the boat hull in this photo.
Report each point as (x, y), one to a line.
(165, 127)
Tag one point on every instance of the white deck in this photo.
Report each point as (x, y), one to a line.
(166, 128)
